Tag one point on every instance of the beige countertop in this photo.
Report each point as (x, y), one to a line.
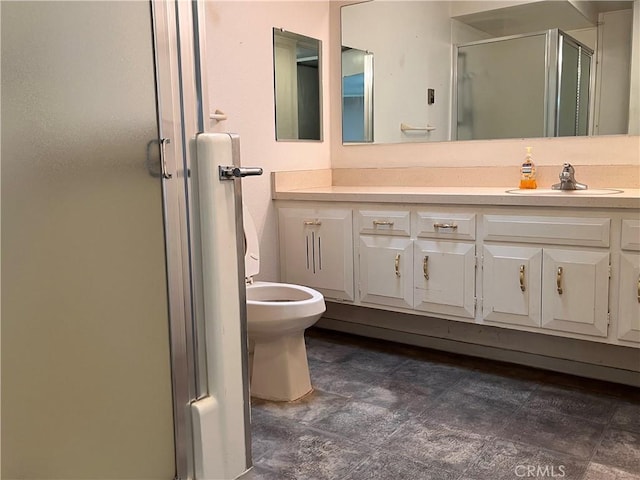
(486, 196)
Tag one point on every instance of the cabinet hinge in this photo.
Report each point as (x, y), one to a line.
(479, 260)
(608, 318)
(609, 270)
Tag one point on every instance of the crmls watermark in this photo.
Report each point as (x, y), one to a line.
(540, 471)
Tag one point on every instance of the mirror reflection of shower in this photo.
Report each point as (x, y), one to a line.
(532, 85)
(573, 92)
(357, 95)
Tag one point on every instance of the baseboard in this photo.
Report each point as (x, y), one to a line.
(341, 318)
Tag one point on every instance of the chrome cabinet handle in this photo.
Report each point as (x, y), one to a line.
(397, 265)
(522, 287)
(314, 223)
(559, 280)
(451, 226)
(425, 267)
(377, 223)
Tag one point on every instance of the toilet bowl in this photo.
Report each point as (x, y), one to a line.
(277, 316)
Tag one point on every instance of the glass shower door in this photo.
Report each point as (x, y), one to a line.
(574, 72)
(494, 99)
(86, 380)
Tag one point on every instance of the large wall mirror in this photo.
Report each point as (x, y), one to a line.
(297, 86)
(458, 70)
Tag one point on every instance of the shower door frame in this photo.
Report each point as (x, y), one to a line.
(182, 96)
(168, 90)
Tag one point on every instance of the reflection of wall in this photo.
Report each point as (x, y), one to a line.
(462, 33)
(240, 80)
(401, 81)
(614, 52)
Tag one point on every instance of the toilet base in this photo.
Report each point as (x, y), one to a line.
(279, 368)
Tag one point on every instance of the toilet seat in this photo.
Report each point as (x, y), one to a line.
(282, 307)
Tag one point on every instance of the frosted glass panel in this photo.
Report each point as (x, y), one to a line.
(573, 101)
(585, 79)
(500, 89)
(86, 385)
(568, 101)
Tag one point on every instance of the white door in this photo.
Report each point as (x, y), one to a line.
(444, 277)
(316, 250)
(575, 291)
(511, 284)
(629, 297)
(386, 273)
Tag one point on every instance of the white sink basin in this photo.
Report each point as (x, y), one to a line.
(548, 191)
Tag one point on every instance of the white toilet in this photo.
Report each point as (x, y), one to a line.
(277, 316)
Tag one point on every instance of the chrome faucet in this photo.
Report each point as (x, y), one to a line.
(568, 180)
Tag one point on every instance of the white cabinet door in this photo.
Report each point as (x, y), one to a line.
(575, 291)
(316, 250)
(444, 277)
(629, 297)
(511, 284)
(386, 274)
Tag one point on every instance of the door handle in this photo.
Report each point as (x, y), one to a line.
(425, 267)
(397, 265)
(522, 287)
(229, 172)
(165, 173)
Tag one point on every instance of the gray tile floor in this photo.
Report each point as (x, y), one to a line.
(386, 411)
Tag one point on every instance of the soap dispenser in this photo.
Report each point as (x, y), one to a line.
(528, 172)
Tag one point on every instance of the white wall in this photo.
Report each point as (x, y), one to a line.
(240, 81)
(411, 48)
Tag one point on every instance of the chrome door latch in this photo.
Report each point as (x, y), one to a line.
(228, 172)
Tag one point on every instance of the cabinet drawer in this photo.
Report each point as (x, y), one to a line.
(461, 226)
(593, 232)
(630, 234)
(384, 222)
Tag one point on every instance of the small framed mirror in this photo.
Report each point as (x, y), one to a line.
(297, 86)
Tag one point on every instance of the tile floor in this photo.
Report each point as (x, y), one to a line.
(393, 412)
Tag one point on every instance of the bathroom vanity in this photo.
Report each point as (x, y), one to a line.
(550, 279)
